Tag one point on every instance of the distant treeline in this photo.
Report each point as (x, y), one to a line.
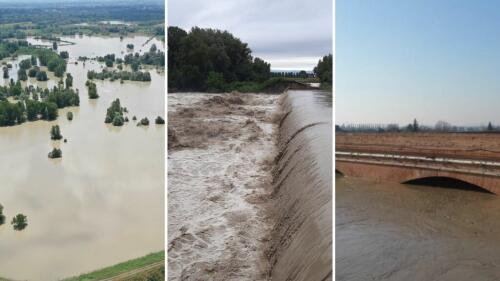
(51, 18)
(210, 60)
(440, 126)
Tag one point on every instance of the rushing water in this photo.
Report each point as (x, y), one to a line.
(215, 223)
(390, 231)
(301, 241)
(102, 203)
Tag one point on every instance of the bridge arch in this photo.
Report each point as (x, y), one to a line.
(447, 182)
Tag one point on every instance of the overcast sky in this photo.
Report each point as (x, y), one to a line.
(290, 34)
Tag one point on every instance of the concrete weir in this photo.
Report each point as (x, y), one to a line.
(301, 239)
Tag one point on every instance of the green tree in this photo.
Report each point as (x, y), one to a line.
(21, 74)
(41, 76)
(25, 64)
(19, 222)
(490, 127)
(55, 133)
(92, 89)
(215, 82)
(5, 73)
(33, 60)
(55, 153)
(64, 55)
(159, 120)
(69, 80)
(324, 70)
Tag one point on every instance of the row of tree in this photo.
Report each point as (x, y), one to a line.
(120, 75)
(440, 126)
(33, 104)
(208, 57)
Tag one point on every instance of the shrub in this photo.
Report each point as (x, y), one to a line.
(92, 89)
(2, 216)
(144, 121)
(19, 222)
(69, 115)
(55, 133)
(55, 153)
(118, 121)
(159, 120)
(41, 76)
(33, 71)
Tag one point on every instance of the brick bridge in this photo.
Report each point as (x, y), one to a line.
(404, 168)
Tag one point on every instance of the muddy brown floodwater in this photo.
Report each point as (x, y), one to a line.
(390, 231)
(250, 189)
(103, 202)
(220, 153)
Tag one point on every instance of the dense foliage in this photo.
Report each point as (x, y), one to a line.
(92, 89)
(55, 133)
(33, 103)
(120, 75)
(55, 153)
(159, 120)
(114, 114)
(2, 216)
(152, 57)
(19, 222)
(324, 70)
(52, 18)
(209, 59)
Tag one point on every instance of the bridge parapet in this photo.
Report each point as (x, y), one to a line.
(404, 168)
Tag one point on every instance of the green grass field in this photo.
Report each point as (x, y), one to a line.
(120, 268)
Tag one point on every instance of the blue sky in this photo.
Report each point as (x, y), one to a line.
(432, 60)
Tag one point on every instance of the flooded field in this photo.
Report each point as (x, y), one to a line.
(390, 231)
(102, 203)
(220, 153)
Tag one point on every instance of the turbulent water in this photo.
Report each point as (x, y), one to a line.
(103, 202)
(250, 193)
(390, 231)
(301, 239)
(220, 150)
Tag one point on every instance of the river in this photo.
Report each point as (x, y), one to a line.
(103, 202)
(391, 231)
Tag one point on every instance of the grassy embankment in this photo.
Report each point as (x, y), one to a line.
(124, 267)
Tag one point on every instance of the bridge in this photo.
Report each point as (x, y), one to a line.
(403, 168)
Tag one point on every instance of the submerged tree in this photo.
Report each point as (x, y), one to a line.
(2, 216)
(19, 222)
(55, 153)
(69, 80)
(92, 89)
(159, 120)
(55, 133)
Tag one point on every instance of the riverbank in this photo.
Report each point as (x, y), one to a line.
(152, 264)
